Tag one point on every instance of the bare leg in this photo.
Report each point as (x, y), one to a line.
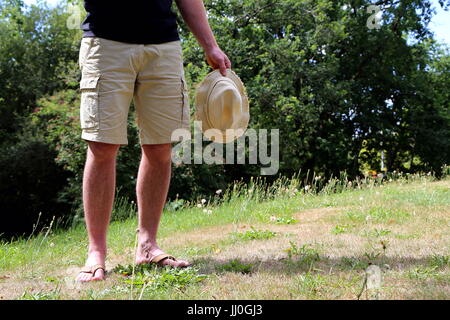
(98, 195)
(152, 186)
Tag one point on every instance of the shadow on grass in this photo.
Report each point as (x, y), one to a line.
(211, 265)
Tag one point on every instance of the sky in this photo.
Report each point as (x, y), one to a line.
(440, 24)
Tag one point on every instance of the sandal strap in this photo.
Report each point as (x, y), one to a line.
(93, 269)
(159, 258)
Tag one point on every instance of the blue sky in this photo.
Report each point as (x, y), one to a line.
(440, 24)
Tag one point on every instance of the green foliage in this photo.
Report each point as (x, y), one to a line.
(378, 214)
(353, 263)
(439, 261)
(236, 266)
(338, 229)
(40, 295)
(339, 92)
(334, 86)
(30, 182)
(304, 255)
(378, 233)
(156, 278)
(311, 285)
(283, 220)
(123, 209)
(422, 273)
(253, 234)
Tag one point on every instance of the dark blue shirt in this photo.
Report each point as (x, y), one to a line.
(132, 21)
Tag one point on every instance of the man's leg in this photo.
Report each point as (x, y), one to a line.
(98, 195)
(152, 186)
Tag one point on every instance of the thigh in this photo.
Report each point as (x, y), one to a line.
(107, 86)
(161, 96)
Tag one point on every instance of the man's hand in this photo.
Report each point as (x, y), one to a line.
(218, 60)
(194, 14)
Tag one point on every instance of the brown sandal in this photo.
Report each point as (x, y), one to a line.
(161, 257)
(93, 269)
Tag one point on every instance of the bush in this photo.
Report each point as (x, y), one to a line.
(29, 192)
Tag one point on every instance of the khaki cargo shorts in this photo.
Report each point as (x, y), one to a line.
(114, 73)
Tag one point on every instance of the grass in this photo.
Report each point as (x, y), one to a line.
(253, 234)
(235, 266)
(287, 241)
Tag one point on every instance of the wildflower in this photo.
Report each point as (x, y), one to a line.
(51, 244)
(205, 210)
(361, 198)
(317, 178)
(208, 211)
(273, 218)
(199, 205)
(306, 187)
(203, 201)
(219, 191)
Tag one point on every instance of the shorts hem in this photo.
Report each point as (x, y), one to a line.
(144, 141)
(103, 139)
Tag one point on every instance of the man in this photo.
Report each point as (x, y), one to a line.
(131, 50)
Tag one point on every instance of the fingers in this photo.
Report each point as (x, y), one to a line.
(219, 60)
(223, 67)
(227, 62)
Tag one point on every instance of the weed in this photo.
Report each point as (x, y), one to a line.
(338, 229)
(378, 214)
(439, 261)
(154, 277)
(40, 295)
(175, 205)
(305, 254)
(376, 233)
(353, 263)
(422, 273)
(254, 234)
(123, 209)
(311, 285)
(283, 220)
(371, 256)
(236, 266)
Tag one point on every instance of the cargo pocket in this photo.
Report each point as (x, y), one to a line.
(89, 116)
(185, 113)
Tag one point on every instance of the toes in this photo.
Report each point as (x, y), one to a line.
(184, 263)
(176, 263)
(87, 277)
(82, 277)
(99, 275)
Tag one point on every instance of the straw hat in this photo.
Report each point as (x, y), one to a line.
(222, 107)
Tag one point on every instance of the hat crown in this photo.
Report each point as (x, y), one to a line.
(222, 106)
(226, 104)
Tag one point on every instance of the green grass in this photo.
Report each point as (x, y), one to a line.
(235, 266)
(253, 234)
(295, 245)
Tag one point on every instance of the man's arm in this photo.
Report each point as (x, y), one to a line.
(194, 14)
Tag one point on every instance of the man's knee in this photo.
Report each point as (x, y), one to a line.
(158, 153)
(102, 151)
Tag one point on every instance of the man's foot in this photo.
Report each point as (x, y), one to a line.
(95, 259)
(146, 252)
